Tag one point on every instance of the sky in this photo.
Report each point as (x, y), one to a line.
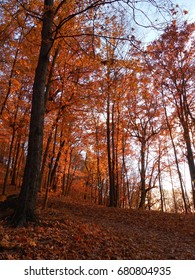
(148, 35)
(188, 5)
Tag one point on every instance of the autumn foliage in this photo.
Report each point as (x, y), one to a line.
(112, 120)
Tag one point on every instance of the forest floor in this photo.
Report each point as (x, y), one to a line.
(71, 230)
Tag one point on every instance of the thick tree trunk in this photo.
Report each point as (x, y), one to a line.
(28, 196)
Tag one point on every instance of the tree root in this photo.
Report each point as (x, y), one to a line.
(23, 219)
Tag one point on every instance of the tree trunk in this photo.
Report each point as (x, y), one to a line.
(13, 180)
(98, 172)
(9, 82)
(9, 161)
(50, 169)
(162, 200)
(53, 172)
(184, 118)
(26, 208)
(175, 154)
(110, 170)
(143, 175)
(20, 166)
(68, 178)
(45, 155)
(190, 159)
(11, 148)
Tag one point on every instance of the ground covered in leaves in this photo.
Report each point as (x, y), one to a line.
(72, 231)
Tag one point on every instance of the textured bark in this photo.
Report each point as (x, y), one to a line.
(28, 196)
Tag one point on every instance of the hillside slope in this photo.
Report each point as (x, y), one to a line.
(70, 230)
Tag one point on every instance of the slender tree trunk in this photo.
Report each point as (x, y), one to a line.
(143, 174)
(114, 157)
(9, 82)
(20, 168)
(20, 39)
(45, 155)
(26, 208)
(68, 177)
(172, 187)
(160, 184)
(11, 146)
(175, 154)
(125, 173)
(64, 186)
(111, 179)
(13, 180)
(99, 185)
(50, 168)
(184, 118)
(117, 170)
(14, 151)
(56, 162)
(9, 161)
(190, 159)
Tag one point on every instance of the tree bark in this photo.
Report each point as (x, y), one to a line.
(9, 161)
(162, 200)
(143, 174)
(13, 180)
(110, 163)
(11, 148)
(190, 159)
(26, 208)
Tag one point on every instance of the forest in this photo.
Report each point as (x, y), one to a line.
(96, 115)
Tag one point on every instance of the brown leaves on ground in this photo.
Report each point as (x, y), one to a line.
(70, 230)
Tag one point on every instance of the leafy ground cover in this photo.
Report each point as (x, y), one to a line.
(73, 230)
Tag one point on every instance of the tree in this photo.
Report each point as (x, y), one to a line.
(174, 56)
(145, 121)
(25, 210)
(53, 21)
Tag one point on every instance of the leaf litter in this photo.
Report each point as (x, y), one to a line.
(70, 230)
